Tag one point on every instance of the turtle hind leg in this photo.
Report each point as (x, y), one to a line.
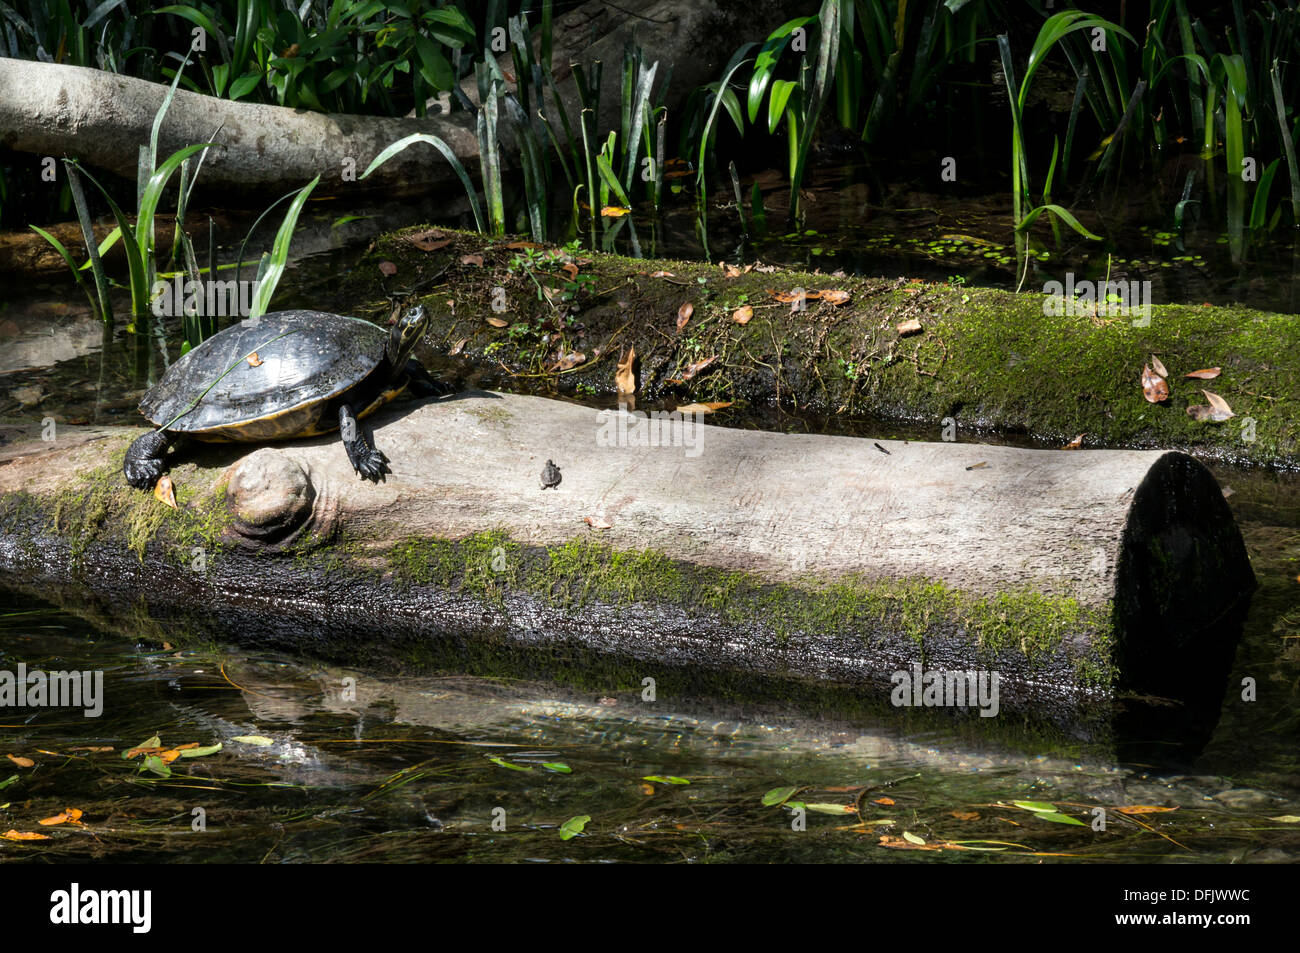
(146, 459)
(369, 463)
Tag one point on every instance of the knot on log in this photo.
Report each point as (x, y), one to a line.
(272, 500)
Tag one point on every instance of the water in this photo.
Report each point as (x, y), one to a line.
(403, 771)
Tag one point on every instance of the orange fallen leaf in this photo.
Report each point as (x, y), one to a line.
(254, 360)
(21, 835)
(886, 801)
(164, 491)
(697, 366)
(21, 761)
(1074, 444)
(570, 269)
(742, 314)
(498, 322)
(1144, 809)
(662, 274)
(706, 408)
(457, 347)
(965, 815)
(1204, 374)
(564, 362)
(614, 211)
(835, 296)
(786, 297)
(1154, 387)
(1158, 367)
(911, 326)
(731, 271)
(597, 522)
(684, 314)
(69, 815)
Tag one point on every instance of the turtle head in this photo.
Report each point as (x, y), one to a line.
(406, 334)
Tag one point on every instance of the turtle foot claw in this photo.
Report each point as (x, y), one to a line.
(371, 465)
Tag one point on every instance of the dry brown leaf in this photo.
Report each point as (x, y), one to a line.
(731, 271)
(164, 491)
(1204, 374)
(498, 322)
(387, 268)
(425, 244)
(978, 466)
(565, 361)
(570, 269)
(1158, 367)
(742, 314)
(254, 360)
(519, 245)
(1154, 387)
(898, 843)
(696, 367)
(21, 761)
(684, 314)
(1074, 444)
(790, 298)
(475, 260)
(764, 269)
(457, 347)
(91, 748)
(597, 522)
(836, 296)
(22, 835)
(1216, 410)
(662, 274)
(911, 326)
(625, 376)
(705, 408)
(965, 815)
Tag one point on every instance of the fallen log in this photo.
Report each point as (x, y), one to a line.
(978, 359)
(1086, 580)
(104, 118)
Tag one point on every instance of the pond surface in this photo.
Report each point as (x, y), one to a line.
(404, 770)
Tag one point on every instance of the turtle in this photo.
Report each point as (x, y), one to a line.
(284, 375)
(550, 475)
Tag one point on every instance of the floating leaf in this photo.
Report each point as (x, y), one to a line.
(614, 211)
(1058, 818)
(778, 796)
(557, 767)
(260, 741)
(201, 752)
(705, 408)
(164, 491)
(886, 801)
(502, 762)
(1144, 809)
(387, 268)
(1154, 387)
(498, 322)
(8, 781)
(912, 326)
(913, 838)
(684, 314)
(1287, 819)
(1037, 806)
(742, 315)
(965, 815)
(1158, 367)
(668, 779)
(21, 761)
(21, 835)
(69, 815)
(1204, 374)
(830, 808)
(156, 765)
(574, 826)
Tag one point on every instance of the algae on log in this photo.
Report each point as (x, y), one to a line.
(1079, 577)
(985, 358)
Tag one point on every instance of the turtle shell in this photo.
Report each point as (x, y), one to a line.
(304, 359)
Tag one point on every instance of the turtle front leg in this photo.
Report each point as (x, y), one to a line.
(146, 459)
(423, 384)
(369, 463)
